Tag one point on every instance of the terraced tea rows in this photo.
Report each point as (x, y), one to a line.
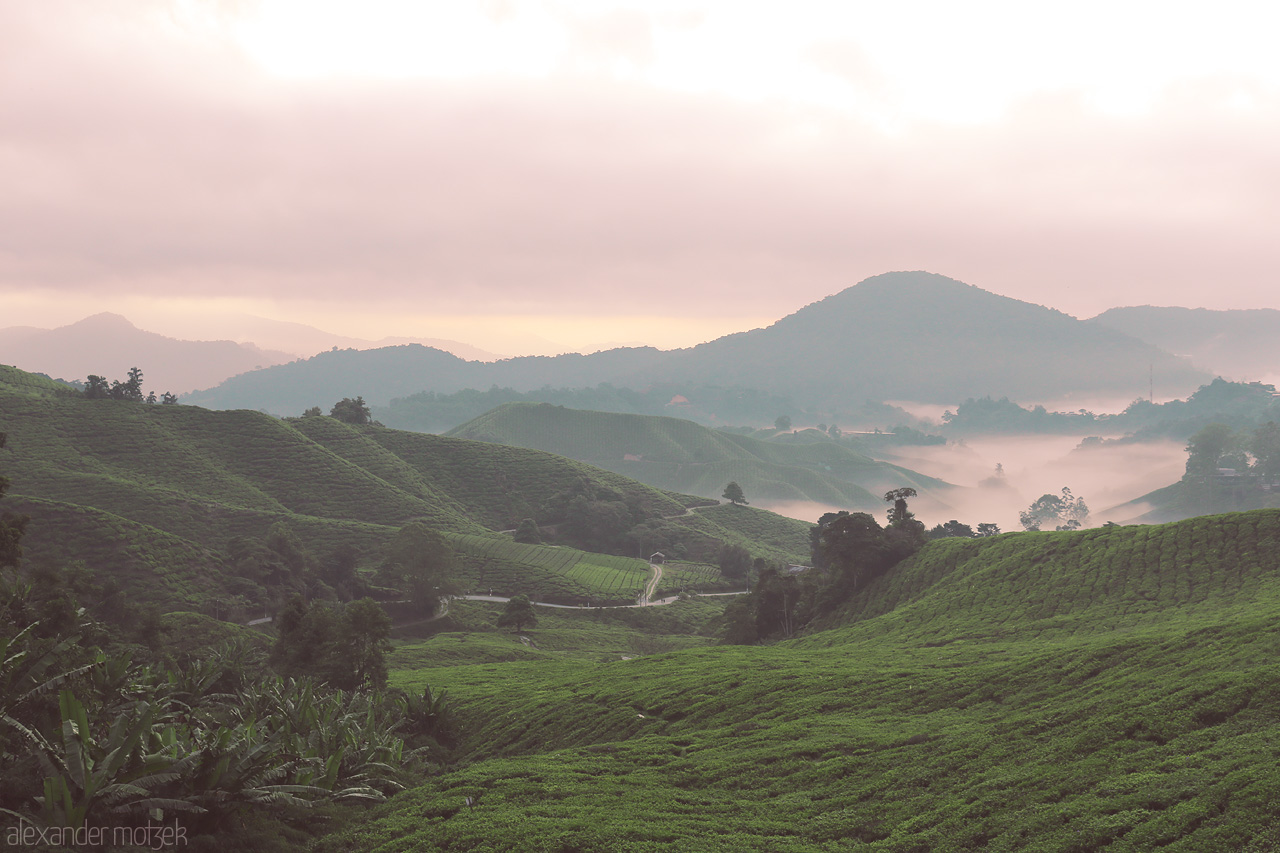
(566, 572)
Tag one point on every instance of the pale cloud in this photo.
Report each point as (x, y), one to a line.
(152, 154)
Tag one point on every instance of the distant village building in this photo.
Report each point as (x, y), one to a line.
(657, 557)
(795, 570)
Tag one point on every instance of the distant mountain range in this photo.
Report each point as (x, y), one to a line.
(898, 336)
(1239, 344)
(302, 340)
(108, 345)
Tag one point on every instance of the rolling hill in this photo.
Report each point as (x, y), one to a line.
(1112, 689)
(156, 495)
(675, 454)
(897, 336)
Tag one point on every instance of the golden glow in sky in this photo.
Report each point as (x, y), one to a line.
(625, 171)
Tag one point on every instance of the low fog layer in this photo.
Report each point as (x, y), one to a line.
(1033, 465)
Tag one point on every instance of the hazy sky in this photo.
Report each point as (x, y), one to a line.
(658, 171)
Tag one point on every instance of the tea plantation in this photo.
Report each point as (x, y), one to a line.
(1114, 689)
(156, 496)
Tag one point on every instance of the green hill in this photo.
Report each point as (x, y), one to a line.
(158, 496)
(676, 454)
(1111, 689)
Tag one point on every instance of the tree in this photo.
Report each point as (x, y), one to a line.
(422, 562)
(783, 423)
(527, 532)
(313, 412)
(988, 529)
(167, 399)
(130, 389)
(898, 497)
(852, 547)
(518, 612)
(733, 494)
(1207, 447)
(951, 529)
(735, 561)
(97, 388)
(363, 645)
(11, 526)
(1065, 512)
(351, 411)
(1265, 447)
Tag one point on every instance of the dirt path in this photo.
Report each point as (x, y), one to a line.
(652, 586)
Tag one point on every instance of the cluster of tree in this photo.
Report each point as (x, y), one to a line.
(1064, 512)
(90, 737)
(600, 519)
(265, 573)
(1243, 406)
(348, 410)
(343, 645)
(420, 563)
(848, 550)
(954, 528)
(735, 561)
(1217, 446)
(97, 388)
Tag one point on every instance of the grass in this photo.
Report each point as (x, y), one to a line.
(1104, 690)
(470, 638)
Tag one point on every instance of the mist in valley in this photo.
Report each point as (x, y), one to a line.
(1108, 477)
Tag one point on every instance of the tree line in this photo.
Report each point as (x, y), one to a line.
(98, 388)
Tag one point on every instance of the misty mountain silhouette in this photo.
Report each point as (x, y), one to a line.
(108, 344)
(1239, 343)
(901, 335)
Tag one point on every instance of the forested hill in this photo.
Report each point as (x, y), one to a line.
(901, 336)
(676, 454)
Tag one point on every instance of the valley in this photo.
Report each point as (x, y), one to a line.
(563, 629)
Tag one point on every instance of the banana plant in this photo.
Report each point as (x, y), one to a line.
(86, 775)
(26, 674)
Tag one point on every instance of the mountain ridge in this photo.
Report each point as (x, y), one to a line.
(905, 336)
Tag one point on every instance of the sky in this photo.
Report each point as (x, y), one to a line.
(595, 172)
